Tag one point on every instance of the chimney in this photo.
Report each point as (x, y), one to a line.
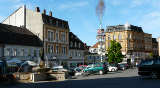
(50, 13)
(44, 11)
(37, 9)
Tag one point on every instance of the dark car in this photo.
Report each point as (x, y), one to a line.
(122, 66)
(150, 68)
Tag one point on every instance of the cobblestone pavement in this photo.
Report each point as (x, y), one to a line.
(120, 79)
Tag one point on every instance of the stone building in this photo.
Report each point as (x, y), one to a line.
(135, 43)
(52, 31)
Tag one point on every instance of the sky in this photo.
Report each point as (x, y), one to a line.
(82, 18)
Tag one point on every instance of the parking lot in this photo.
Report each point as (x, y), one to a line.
(120, 79)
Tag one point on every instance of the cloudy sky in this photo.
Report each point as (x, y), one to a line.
(82, 18)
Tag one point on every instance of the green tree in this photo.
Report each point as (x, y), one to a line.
(114, 53)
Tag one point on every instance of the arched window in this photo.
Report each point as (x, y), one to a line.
(119, 36)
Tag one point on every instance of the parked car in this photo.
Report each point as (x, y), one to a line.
(112, 68)
(100, 68)
(71, 71)
(150, 68)
(59, 69)
(122, 66)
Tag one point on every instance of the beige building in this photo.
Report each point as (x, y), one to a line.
(52, 31)
(132, 39)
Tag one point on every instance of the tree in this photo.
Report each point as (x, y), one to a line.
(114, 53)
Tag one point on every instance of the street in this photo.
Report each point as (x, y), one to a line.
(120, 79)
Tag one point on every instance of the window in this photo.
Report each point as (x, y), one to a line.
(35, 54)
(57, 49)
(71, 45)
(63, 50)
(129, 36)
(50, 49)
(114, 37)
(29, 52)
(57, 36)
(22, 52)
(75, 44)
(79, 54)
(50, 35)
(14, 52)
(71, 53)
(63, 37)
(8, 51)
(120, 37)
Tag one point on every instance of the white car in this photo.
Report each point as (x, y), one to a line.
(59, 68)
(112, 68)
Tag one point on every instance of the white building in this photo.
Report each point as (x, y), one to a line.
(20, 43)
(96, 48)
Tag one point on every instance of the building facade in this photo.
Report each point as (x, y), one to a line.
(158, 39)
(132, 40)
(76, 51)
(20, 43)
(155, 47)
(52, 31)
(96, 48)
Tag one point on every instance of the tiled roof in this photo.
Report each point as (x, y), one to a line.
(18, 36)
(73, 38)
(53, 21)
(95, 45)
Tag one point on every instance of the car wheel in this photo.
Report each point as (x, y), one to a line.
(154, 75)
(101, 72)
(112, 69)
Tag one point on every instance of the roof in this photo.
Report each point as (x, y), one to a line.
(18, 36)
(122, 28)
(53, 21)
(73, 38)
(95, 45)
